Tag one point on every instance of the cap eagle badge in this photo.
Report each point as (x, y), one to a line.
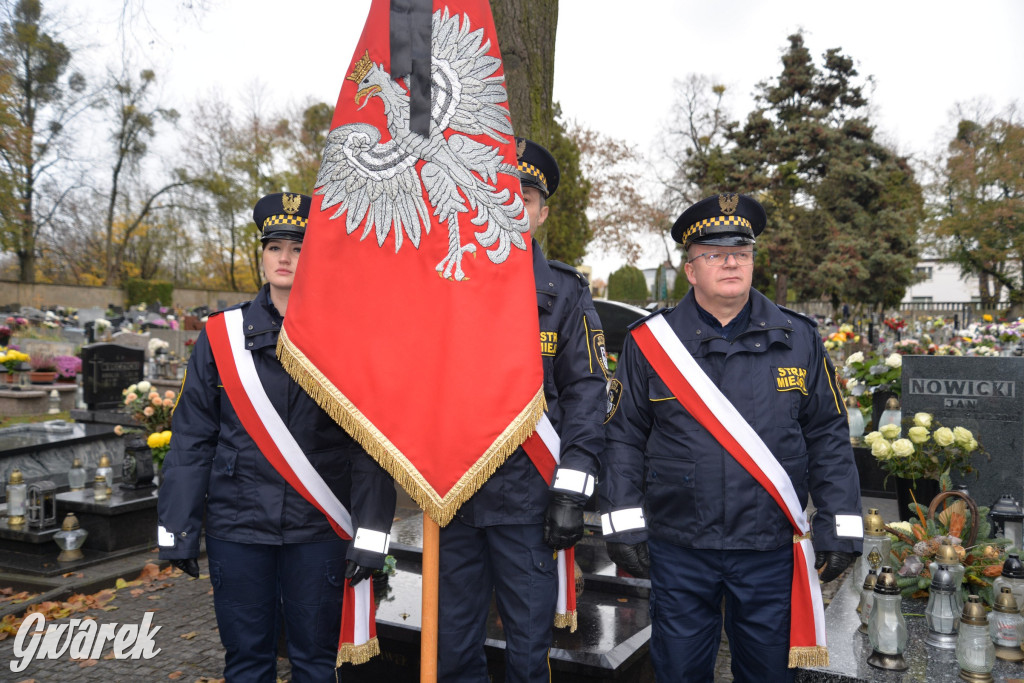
(728, 203)
(291, 203)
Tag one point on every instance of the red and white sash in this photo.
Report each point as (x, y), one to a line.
(543, 447)
(358, 642)
(706, 403)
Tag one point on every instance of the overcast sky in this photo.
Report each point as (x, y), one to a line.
(615, 62)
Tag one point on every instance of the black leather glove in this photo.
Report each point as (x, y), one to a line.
(632, 557)
(830, 564)
(563, 522)
(357, 572)
(189, 565)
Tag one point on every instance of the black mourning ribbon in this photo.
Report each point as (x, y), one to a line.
(410, 56)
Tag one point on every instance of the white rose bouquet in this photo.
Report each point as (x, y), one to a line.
(924, 452)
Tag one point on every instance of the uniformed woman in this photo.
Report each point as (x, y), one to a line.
(273, 556)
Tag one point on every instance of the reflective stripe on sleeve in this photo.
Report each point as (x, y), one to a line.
(849, 526)
(164, 538)
(622, 520)
(573, 481)
(372, 541)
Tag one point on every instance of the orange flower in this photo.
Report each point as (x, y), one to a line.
(148, 411)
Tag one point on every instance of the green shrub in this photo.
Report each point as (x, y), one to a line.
(138, 291)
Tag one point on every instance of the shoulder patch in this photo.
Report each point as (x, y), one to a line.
(564, 267)
(641, 321)
(614, 394)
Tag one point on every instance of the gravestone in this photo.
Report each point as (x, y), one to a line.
(42, 347)
(131, 340)
(984, 395)
(86, 315)
(107, 369)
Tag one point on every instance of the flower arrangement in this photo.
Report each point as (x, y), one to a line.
(944, 350)
(916, 543)
(11, 358)
(43, 362)
(908, 347)
(870, 372)
(895, 324)
(924, 452)
(159, 443)
(842, 336)
(16, 323)
(68, 366)
(190, 345)
(157, 346)
(153, 413)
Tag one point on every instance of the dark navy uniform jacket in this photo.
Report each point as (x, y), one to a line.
(693, 493)
(575, 380)
(214, 467)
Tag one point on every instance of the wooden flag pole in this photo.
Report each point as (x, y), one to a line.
(428, 621)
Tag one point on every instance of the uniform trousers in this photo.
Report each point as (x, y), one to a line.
(687, 587)
(513, 563)
(257, 586)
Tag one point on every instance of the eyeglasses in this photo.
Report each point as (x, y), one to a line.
(717, 259)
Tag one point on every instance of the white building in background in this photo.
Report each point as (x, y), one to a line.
(942, 282)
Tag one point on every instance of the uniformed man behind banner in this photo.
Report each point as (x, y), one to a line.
(502, 539)
(273, 556)
(675, 500)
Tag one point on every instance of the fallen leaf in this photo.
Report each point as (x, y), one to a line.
(174, 676)
(149, 572)
(136, 592)
(190, 635)
(109, 655)
(87, 662)
(623, 599)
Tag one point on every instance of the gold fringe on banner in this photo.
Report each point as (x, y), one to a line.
(351, 419)
(813, 656)
(357, 654)
(566, 620)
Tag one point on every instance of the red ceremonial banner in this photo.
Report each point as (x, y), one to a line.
(413, 316)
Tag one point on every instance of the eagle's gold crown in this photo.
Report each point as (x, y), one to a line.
(361, 68)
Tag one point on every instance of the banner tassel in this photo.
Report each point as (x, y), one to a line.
(341, 410)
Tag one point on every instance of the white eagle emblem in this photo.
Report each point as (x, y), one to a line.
(378, 181)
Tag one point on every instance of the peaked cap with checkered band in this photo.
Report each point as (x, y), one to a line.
(537, 168)
(722, 219)
(282, 216)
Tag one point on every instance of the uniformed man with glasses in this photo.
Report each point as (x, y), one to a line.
(689, 509)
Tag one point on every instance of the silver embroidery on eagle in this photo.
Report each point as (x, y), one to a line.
(377, 181)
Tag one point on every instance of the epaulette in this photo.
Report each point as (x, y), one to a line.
(790, 311)
(644, 319)
(569, 269)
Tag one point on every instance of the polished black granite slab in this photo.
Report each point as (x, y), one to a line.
(610, 642)
(126, 520)
(849, 649)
